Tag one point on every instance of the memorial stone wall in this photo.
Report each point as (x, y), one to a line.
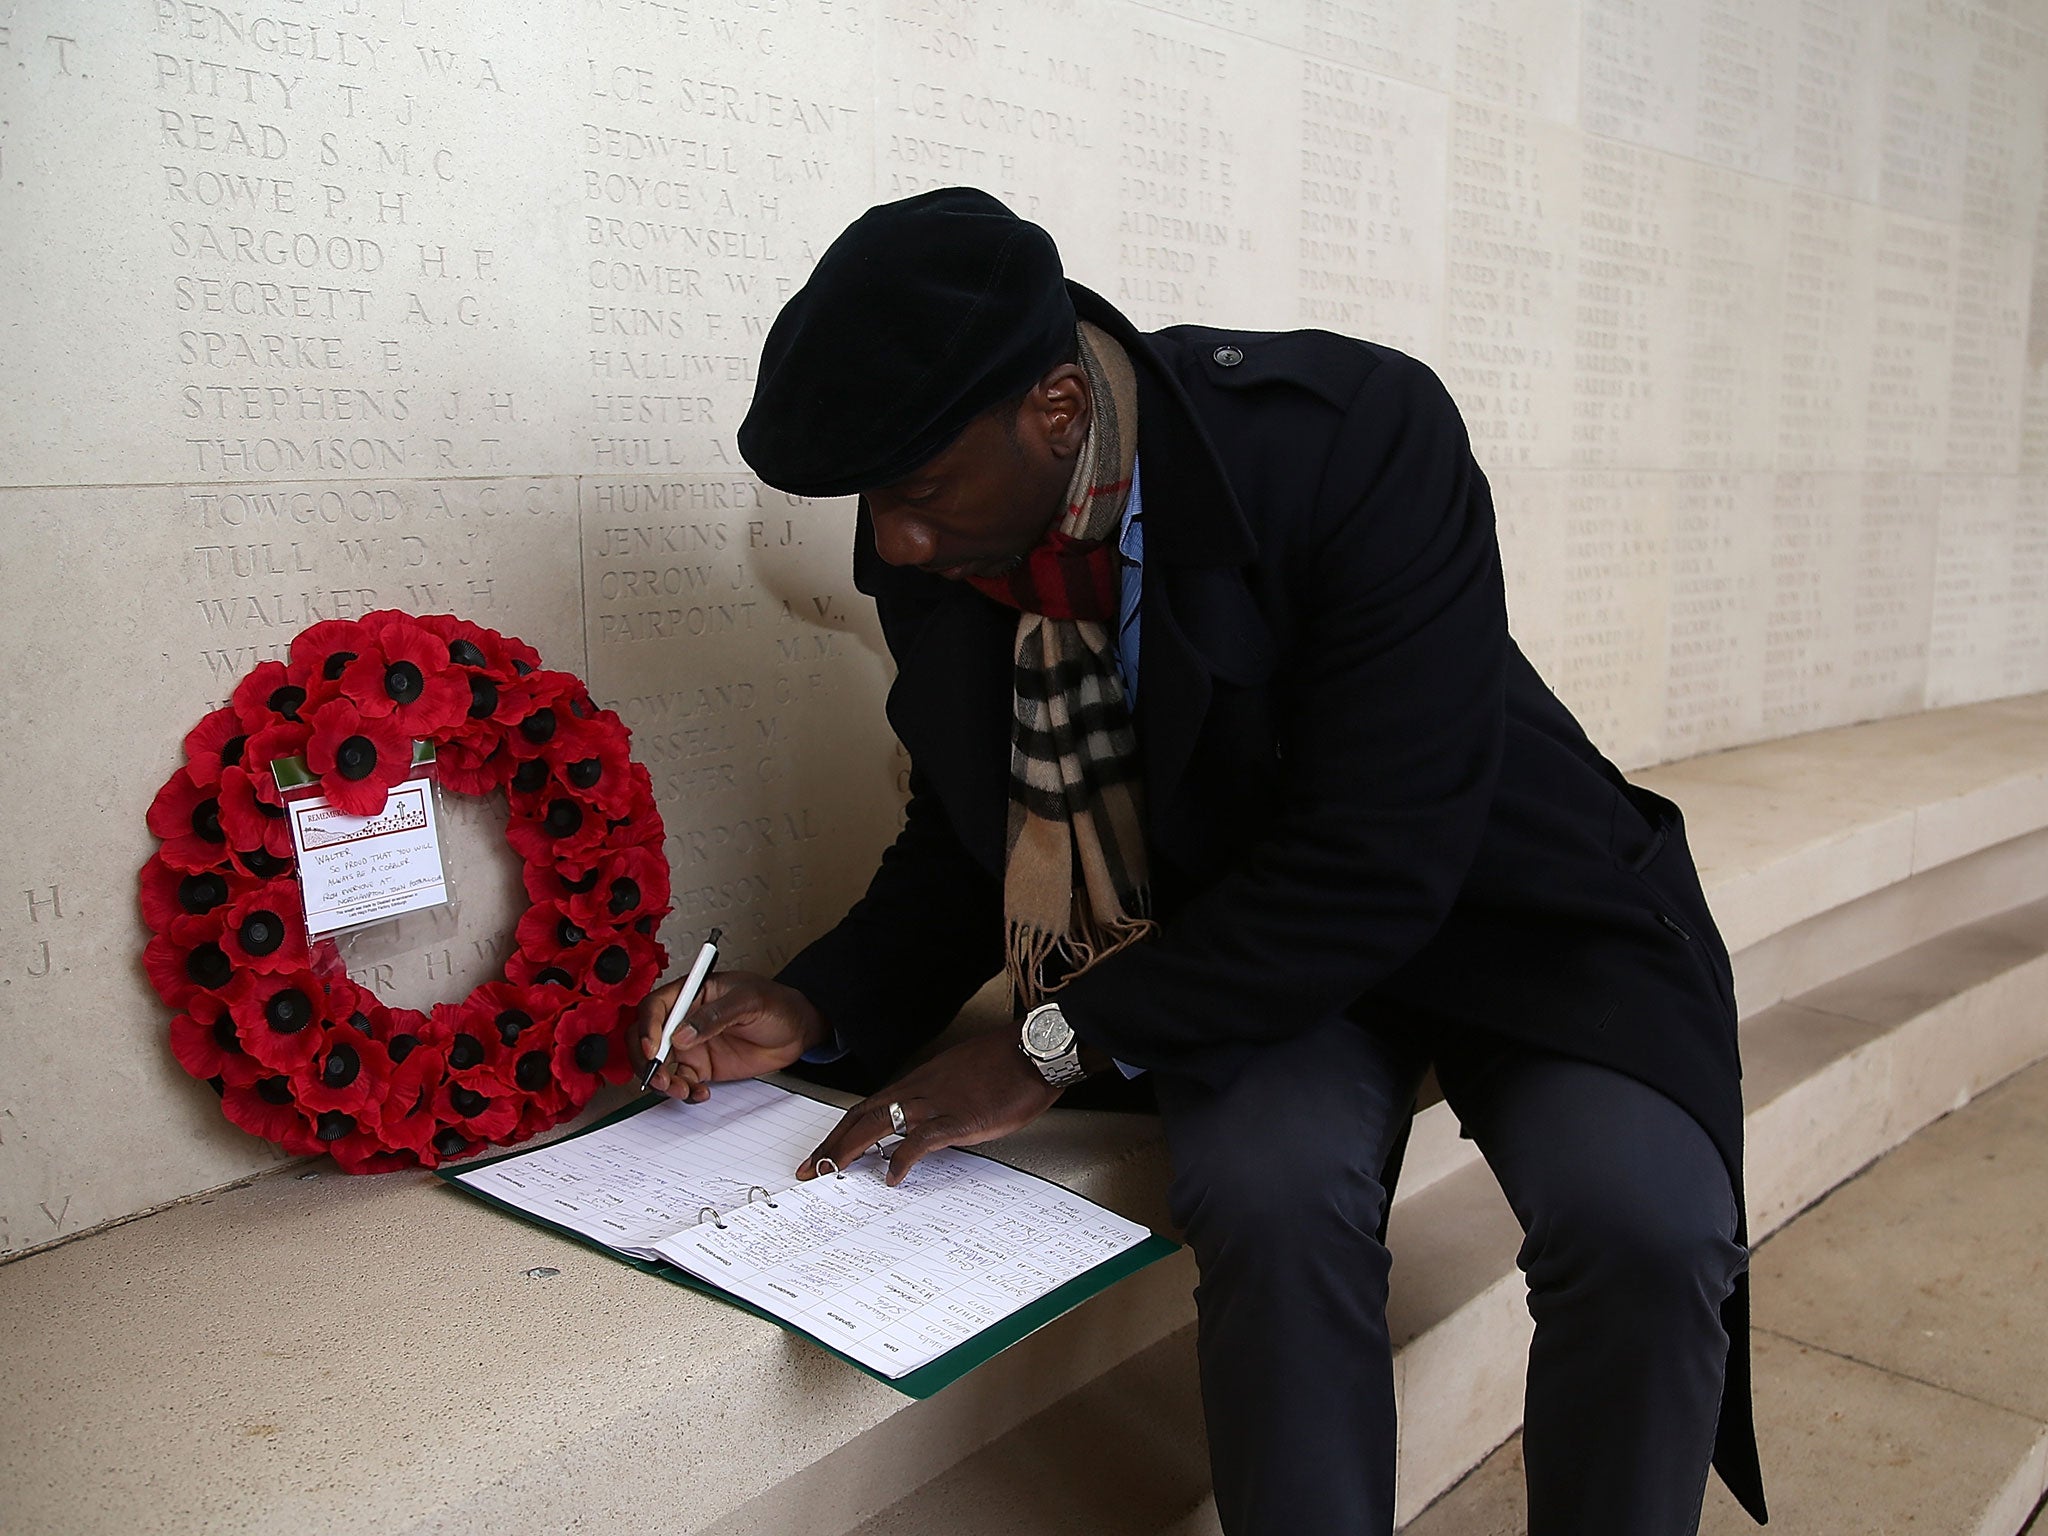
(309, 307)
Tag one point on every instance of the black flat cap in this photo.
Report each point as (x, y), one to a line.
(923, 314)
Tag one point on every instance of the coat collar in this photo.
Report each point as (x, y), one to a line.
(1204, 524)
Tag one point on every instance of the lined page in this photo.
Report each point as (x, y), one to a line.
(894, 1278)
(653, 1173)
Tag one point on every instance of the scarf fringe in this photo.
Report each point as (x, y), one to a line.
(1030, 948)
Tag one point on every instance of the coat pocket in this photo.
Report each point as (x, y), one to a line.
(1642, 824)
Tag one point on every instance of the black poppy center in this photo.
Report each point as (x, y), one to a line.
(343, 1063)
(206, 821)
(401, 1046)
(582, 882)
(523, 668)
(512, 1022)
(554, 976)
(225, 1037)
(563, 818)
(591, 1052)
(289, 1011)
(450, 1142)
(202, 893)
(208, 964)
(569, 933)
(262, 862)
(356, 758)
(585, 772)
(483, 696)
(336, 664)
(530, 775)
(261, 932)
(359, 1022)
(274, 812)
(468, 1102)
(532, 1074)
(286, 700)
(625, 895)
(538, 726)
(275, 1090)
(333, 1125)
(465, 654)
(404, 682)
(612, 965)
(231, 750)
(467, 1052)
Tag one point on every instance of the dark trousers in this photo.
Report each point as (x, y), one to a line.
(1630, 1250)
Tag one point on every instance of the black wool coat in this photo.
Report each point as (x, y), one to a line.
(1360, 797)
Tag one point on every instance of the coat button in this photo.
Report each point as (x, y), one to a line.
(1228, 357)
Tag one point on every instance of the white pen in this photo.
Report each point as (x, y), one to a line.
(706, 958)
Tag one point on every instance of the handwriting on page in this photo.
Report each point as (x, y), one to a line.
(653, 1173)
(896, 1277)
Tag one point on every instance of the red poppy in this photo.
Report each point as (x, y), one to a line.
(186, 815)
(501, 658)
(403, 672)
(248, 819)
(277, 1016)
(264, 930)
(557, 830)
(206, 1043)
(266, 1108)
(322, 652)
(359, 757)
(473, 768)
(267, 696)
(350, 1072)
(545, 929)
(550, 710)
(408, 1119)
(280, 739)
(469, 645)
(471, 1035)
(187, 957)
(624, 887)
(601, 769)
(590, 1049)
(363, 1151)
(542, 971)
(479, 1103)
(515, 1019)
(618, 967)
(168, 893)
(640, 824)
(216, 742)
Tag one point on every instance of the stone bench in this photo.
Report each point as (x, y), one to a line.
(304, 1352)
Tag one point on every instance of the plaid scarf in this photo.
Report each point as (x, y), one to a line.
(1074, 877)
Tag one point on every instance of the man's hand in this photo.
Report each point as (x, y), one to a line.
(740, 1026)
(978, 1090)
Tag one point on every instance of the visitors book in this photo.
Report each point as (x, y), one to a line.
(915, 1285)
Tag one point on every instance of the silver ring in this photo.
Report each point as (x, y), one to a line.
(896, 1121)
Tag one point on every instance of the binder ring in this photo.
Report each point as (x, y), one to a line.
(717, 1220)
(825, 1162)
(767, 1195)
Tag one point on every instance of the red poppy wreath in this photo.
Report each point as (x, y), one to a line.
(305, 1057)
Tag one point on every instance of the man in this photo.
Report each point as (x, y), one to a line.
(1222, 750)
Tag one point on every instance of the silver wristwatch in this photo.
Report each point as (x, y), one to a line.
(1051, 1046)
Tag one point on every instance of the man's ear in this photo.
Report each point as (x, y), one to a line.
(1058, 409)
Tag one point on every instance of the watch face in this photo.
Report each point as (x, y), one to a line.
(1047, 1033)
